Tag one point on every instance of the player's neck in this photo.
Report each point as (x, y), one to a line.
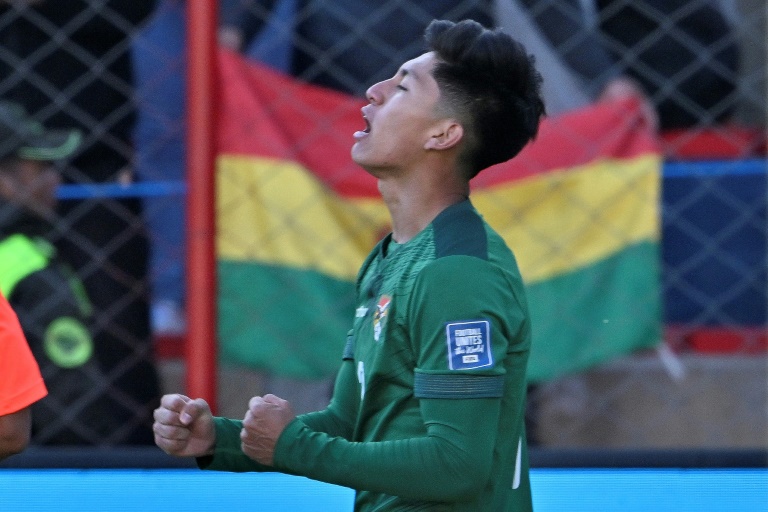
(413, 207)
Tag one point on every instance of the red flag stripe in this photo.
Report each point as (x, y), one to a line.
(266, 113)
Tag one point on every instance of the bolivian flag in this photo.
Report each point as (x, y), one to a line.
(296, 217)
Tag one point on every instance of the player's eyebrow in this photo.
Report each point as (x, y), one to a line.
(404, 72)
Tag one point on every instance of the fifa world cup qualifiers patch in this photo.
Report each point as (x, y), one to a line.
(469, 345)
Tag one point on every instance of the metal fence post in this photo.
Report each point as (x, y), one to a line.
(201, 347)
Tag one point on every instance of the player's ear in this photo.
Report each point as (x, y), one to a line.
(446, 134)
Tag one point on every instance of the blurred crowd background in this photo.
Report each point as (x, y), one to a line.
(116, 70)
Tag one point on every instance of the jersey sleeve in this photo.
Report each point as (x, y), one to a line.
(464, 321)
(22, 383)
(334, 421)
(456, 454)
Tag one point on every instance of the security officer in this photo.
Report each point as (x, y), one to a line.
(51, 303)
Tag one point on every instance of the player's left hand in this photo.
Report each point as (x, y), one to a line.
(265, 420)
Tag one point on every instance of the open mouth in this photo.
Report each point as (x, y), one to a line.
(362, 133)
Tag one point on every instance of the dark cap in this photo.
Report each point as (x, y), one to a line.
(23, 137)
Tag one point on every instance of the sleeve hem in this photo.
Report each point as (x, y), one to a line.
(282, 455)
(453, 386)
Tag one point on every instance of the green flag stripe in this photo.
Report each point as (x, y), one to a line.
(579, 319)
(601, 312)
(289, 321)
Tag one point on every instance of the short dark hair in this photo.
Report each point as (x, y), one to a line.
(489, 82)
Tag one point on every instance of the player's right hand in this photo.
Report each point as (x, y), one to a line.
(184, 427)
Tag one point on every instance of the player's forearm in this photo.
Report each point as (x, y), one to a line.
(456, 454)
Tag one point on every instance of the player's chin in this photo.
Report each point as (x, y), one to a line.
(359, 154)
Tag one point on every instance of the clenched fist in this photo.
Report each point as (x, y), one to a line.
(265, 420)
(184, 427)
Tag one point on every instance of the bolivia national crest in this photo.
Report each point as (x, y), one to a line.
(380, 315)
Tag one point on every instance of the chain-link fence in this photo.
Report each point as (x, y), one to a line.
(69, 66)
(115, 70)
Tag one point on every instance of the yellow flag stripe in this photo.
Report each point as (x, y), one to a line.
(276, 212)
(563, 221)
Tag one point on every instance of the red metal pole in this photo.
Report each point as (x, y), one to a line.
(201, 345)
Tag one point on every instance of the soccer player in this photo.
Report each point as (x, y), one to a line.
(428, 406)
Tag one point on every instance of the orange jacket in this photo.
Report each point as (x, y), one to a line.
(21, 383)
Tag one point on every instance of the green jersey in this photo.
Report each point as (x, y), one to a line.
(428, 408)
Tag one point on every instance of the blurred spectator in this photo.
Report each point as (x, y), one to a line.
(681, 54)
(684, 53)
(69, 64)
(269, 33)
(52, 307)
(160, 71)
(344, 44)
(21, 384)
